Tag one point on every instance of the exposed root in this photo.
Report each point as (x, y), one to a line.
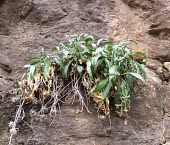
(77, 93)
(20, 114)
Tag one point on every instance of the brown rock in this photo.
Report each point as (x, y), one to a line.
(144, 4)
(153, 77)
(166, 74)
(154, 64)
(167, 66)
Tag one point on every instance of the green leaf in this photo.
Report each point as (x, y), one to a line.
(52, 49)
(107, 62)
(58, 48)
(84, 47)
(124, 43)
(27, 66)
(94, 46)
(123, 88)
(80, 69)
(109, 42)
(117, 96)
(32, 70)
(96, 61)
(106, 90)
(89, 69)
(129, 80)
(99, 62)
(98, 80)
(112, 78)
(88, 38)
(58, 61)
(99, 49)
(46, 68)
(100, 86)
(137, 76)
(145, 58)
(112, 70)
(101, 40)
(81, 42)
(82, 57)
(65, 71)
(35, 62)
(66, 52)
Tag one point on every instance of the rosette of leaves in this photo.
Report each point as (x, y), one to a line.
(72, 57)
(114, 69)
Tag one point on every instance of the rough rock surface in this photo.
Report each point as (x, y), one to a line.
(167, 66)
(28, 25)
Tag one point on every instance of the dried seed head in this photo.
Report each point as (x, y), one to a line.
(31, 98)
(46, 93)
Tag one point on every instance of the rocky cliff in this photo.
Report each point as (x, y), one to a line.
(28, 25)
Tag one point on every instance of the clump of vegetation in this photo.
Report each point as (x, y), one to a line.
(103, 69)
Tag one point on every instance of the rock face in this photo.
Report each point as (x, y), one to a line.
(167, 66)
(26, 26)
(164, 94)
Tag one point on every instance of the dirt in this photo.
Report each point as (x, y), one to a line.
(28, 25)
